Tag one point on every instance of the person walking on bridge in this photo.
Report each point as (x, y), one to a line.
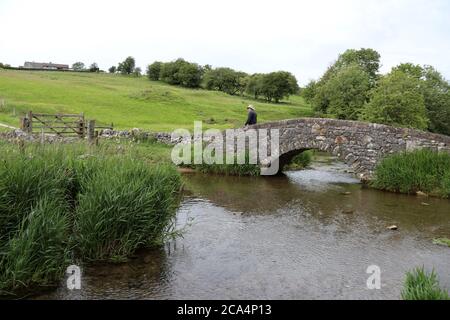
(252, 116)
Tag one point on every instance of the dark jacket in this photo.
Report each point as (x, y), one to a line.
(252, 118)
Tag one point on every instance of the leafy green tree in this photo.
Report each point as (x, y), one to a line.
(347, 92)
(127, 66)
(181, 72)
(94, 68)
(113, 69)
(189, 75)
(367, 59)
(397, 101)
(436, 92)
(413, 70)
(309, 92)
(154, 70)
(278, 85)
(254, 85)
(137, 72)
(225, 79)
(78, 66)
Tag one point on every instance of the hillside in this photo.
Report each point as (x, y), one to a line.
(129, 102)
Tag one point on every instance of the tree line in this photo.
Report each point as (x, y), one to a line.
(410, 95)
(273, 87)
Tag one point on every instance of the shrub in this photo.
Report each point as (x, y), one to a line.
(410, 172)
(420, 285)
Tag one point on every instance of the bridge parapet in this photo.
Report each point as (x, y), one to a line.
(361, 145)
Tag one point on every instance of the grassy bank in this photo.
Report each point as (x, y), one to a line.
(420, 285)
(130, 102)
(409, 173)
(64, 202)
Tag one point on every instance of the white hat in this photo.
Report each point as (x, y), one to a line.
(251, 107)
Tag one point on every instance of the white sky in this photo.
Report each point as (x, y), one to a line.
(303, 37)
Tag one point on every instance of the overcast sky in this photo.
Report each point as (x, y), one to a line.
(303, 37)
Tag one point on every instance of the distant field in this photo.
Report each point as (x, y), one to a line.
(131, 102)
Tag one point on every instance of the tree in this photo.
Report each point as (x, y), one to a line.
(347, 92)
(367, 59)
(254, 85)
(413, 70)
(397, 101)
(154, 70)
(436, 92)
(190, 75)
(78, 66)
(181, 72)
(113, 69)
(137, 72)
(309, 92)
(278, 85)
(127, 66)
(226, 80)
(94, 68)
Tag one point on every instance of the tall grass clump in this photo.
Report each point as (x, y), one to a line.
(420, 285)
(24, 179)
(73, 201)
(38, 253)
(123, 207)
(410, 172)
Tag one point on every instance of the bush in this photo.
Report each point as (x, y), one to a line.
(420, 285)
(410, 172)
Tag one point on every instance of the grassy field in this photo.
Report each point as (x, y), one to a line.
(129, 102)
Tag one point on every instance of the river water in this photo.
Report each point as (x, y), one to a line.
(310, 234)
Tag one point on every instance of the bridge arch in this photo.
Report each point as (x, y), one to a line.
(359, 144)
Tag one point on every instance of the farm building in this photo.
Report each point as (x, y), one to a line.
(45, 66)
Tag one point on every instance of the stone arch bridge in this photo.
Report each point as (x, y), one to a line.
(361, 145)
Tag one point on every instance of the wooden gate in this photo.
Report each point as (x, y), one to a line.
(59, 124)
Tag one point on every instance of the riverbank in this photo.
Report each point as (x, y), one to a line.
(422, 172)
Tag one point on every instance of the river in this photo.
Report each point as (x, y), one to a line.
(310, 234)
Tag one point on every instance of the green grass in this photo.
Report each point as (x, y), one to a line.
(421, 170)
(74, 200)
(420, 285)
(442, 242)
(130, 102)
(300, 161)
